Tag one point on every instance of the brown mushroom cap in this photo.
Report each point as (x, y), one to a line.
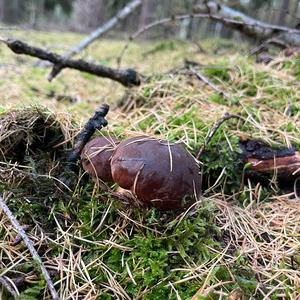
(96, 155)
(157, 172)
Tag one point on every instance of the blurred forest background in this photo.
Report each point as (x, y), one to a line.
(86, 15)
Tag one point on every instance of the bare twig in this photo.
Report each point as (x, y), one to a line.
(127, 77)
(121, 15)
(97, 121)
(264, 46)
(7, 286)
(30, 247)
(213, 130)
(209, 83)
(297, 187)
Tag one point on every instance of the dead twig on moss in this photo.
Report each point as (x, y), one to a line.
(203, 78)
(30, 247)
(214, 129)
(127, 77)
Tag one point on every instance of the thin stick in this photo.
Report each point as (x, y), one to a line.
(127, 77)
(213, 130)
(209, 83)
(30, 247)
(8, 287)
(263, 46)
(297, 188)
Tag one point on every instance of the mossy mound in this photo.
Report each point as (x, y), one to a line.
(32, 146)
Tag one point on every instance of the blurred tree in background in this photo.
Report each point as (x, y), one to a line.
(85, 15)
(34, 12)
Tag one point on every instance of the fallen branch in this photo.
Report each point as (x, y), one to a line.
(248, 25)
(127, 77)
(18, 238)
(282, 166)
(30, 247)
(121, 15)
(265, 161)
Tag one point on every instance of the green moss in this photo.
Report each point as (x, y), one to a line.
(153, 256)
(162, 46)
(32, 293)
(222, 73)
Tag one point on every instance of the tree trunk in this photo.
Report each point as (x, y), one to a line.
(191, 26)
(284, 10)
(11, 11)
(167, 31)
(295, 21)
(89, 14)
(147, 12)
(2, 10)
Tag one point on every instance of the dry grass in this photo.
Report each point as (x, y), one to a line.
(268, 235)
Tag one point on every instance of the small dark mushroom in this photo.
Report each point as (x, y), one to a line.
(96, 155)
(157, 172)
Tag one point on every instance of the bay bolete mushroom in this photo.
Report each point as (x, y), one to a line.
(96, 155)
(157, 172)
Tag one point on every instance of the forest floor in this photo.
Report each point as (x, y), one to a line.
(242, 241)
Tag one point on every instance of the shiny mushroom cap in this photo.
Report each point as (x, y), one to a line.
(157, 172)
(96, 155)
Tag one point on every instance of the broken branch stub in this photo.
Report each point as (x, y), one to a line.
(266, 161)
(127, 77)
(96, 122)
